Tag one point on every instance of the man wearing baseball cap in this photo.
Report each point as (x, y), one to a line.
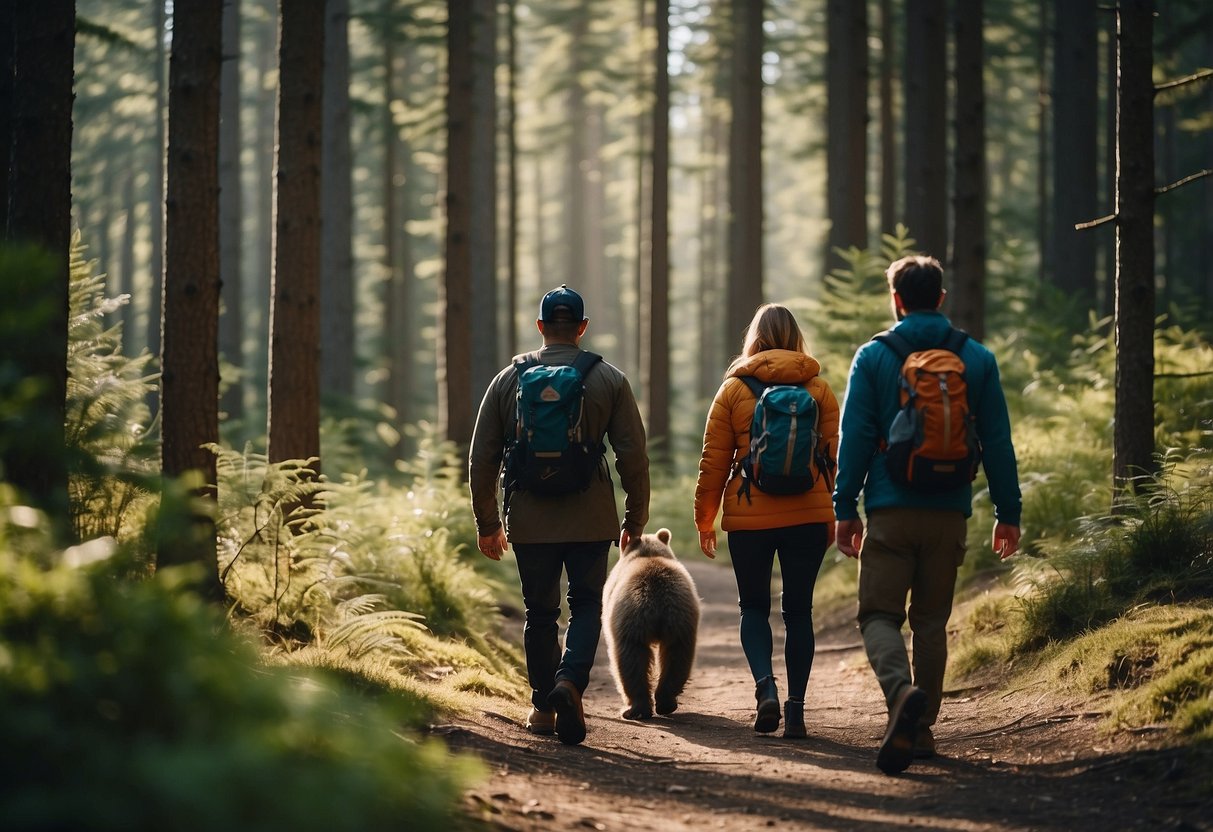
(565, 533)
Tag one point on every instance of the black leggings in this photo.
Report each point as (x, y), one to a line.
(800, 549)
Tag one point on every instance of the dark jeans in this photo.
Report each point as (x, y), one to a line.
(800, 549)
(540, 566)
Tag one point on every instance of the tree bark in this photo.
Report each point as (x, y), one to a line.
(1133, 434)
(189, 357)
(1075, 124)
(968, 295)
(455, 401)
(846, 127)
(294, 372)
(926, 109)
(263, 287)
(485, 309)
(231, 212)
(7, 72)
(888, 125)
(655, 302)
(336, 250)
(511, 107)
(156, 297)
(745, 168)
(39, 213)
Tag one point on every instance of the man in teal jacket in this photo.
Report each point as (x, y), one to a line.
(914, 541)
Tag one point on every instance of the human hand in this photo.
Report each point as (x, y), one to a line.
(831, 534)
(492, 545)
(625, 540)
(1005, 540)
(707, 543)
(850, 537)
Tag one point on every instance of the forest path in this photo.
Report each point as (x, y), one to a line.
(1018, 761)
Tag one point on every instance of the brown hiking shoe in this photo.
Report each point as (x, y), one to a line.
(924, 743)
(897, 749)
(541, 722)
(570, 718)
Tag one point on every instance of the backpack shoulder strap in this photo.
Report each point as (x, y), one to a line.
(756, 386)
(955, 340)
(585, 362)
(525, 362)
(896, 342)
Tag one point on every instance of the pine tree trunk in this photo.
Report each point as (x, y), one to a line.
(156, 295)
(512, 289)
(888, 125)
(39, 213)
(189, 356)
(926, 109)
(455, 401)
(967, 298)
(846, 127)
(294, 383)
(1075, 122)
(485, 309)
(126, 256)
(231, 212)
(745, 169)
(1133, 434)
(655, 369)
(336, 247)
(7, 71)
(263, 288)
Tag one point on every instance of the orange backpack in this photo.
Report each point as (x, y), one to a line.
(932, 444)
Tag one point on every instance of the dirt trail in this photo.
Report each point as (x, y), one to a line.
(1020, 761)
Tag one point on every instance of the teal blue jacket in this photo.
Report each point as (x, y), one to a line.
(872, 400)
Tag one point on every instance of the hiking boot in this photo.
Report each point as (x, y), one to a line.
(897, 749)
(570, 718)
(766, 719)
(924, 743)
(541, 722)
(793, 720)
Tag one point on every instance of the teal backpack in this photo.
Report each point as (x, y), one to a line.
(550, 453)
(783, 456)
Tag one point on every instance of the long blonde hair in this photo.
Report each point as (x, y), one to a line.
(773, 327)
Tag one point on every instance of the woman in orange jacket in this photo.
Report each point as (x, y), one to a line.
(797, 527)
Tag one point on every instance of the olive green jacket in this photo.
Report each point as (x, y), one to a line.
(591, 515)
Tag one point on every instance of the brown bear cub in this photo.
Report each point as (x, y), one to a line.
(650, 615)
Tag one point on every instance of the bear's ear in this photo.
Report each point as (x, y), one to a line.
(663, 535)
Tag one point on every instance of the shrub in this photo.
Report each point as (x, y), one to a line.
(130, 706)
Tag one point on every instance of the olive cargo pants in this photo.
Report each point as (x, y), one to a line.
(914, 552)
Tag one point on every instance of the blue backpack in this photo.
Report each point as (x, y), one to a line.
(550, 454)
(783, 456)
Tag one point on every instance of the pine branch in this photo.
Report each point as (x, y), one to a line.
(1179, 184)
(1082, 226)
(1187, 79)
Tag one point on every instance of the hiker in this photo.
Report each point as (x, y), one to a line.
(769, 511)
(559, 501)
(916, 502)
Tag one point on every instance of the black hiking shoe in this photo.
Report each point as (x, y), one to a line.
(793, 720)
(766, 719)
(897, 749)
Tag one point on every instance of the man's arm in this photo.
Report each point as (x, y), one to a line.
(626, 433)
(485, 459)
(998, 451)
(859, 436)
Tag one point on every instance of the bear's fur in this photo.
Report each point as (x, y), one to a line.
(650, 615)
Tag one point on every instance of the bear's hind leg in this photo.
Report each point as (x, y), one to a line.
(675, 657)
(633, 665)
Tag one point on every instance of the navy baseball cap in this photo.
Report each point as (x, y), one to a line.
(562, 304)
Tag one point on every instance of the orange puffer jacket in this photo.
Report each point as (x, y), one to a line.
(726, 440)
